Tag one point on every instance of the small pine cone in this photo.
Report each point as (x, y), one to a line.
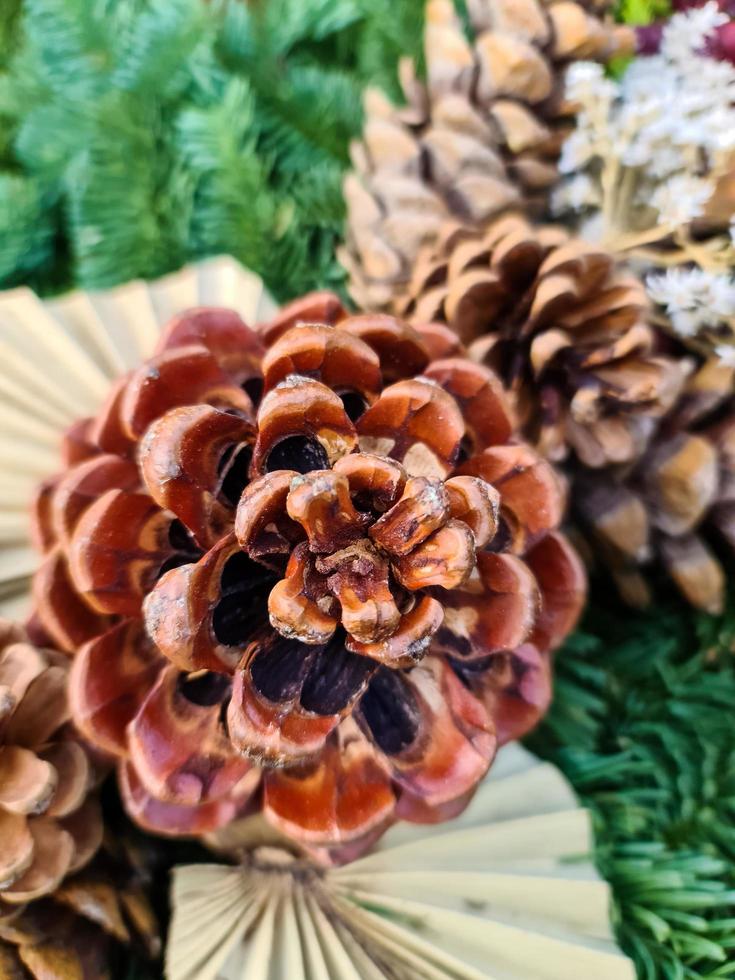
(482, 135)
(306, 568)
(50, 823)
(668, 506)
(52, 900)
(77, 930)
(562, 325)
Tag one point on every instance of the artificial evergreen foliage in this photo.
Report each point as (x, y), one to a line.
(138, 134)
(642, 725)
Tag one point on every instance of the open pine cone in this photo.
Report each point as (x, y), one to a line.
(666, 506)
(563, 326)
(307, 568)
(645, 434)
(50, 824)
(74, 932)
(481, 135)
(57, 904)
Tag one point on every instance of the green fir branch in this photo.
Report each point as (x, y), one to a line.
(109, 105)
(642, 726)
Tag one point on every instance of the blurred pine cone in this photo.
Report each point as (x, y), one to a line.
(50, 825)
(677, 502)
(483, 134)
(307, 567)
(645, 432)
(52, 896)
(562, 325)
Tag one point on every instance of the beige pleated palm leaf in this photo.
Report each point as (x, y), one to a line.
(57, 358)
(504, 892)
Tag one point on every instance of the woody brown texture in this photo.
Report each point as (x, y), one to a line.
(308, 569)
(676, 506)
(644, 429)
(56, 908)
(563, 325)
(481, 134)
(49, 824)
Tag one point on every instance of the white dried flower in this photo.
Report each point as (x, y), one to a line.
(577, 151)
(670, 119)
(584, 80)
(673, 288)
(686, 323)
(576, 194)
(681, 199)
(687, 33)
(643, 164)
(719, 295)
(693, 298)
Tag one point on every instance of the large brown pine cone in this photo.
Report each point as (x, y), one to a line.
(307, 568)
(562, 325)
(481, 135)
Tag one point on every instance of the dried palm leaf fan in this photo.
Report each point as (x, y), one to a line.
(58, 358)
(499, 892)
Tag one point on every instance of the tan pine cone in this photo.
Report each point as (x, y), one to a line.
(307, 569)
(562, 325)
(51, 826)
(481, 135)
(645, 433)
(77, 931)
(677, 502)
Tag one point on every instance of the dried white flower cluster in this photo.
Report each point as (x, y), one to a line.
(644, 163)
(700, 306)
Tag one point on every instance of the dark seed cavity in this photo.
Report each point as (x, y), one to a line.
(354, 404)
(205, 689)
(243, 606)
(278, 670)
(184, 546)
(336, 678)
(466, 449)
(472, 673)
(253, 388)
(181, 541)
(235, 470)
(503, 537)
(297, 453)
(242, 574)
(390, 712)
(175, 561)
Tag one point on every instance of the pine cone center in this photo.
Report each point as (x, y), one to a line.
(362, 568)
